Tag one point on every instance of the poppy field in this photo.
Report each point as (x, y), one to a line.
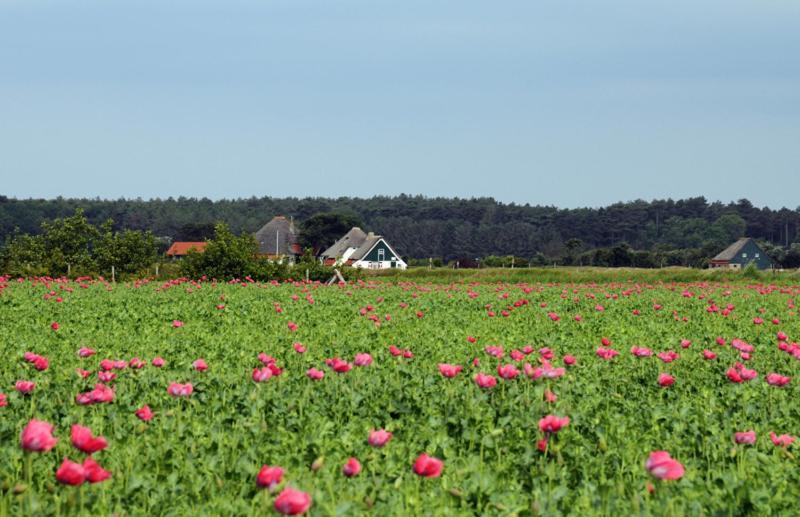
(241, 398)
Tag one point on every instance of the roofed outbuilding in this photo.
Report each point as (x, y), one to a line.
(181, 249)
(741, 253)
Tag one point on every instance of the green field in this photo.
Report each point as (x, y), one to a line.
(201, 454)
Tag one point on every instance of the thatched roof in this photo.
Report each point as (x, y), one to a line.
(277, 237)
(731, 251)
(352, 239)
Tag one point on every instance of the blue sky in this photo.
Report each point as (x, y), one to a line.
(545, 102)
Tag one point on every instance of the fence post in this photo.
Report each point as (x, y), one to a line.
(113, 275)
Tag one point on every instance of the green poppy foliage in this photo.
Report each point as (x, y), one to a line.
(201, 454)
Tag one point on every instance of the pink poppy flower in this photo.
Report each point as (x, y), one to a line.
(533, 373)
(379, 437)
(685, 343)
(351, 468)
(94, 472)
(158, 362)
(315, 374)
(495, 351)
(177, 324)
(144, 413)
(662, 466)
(428, 466)
(508, 371)
(665, 380)
(200, 365)
(25, 387)
(292, 326)
(552, 424)
(485, 381)
(641, 352)
(783, 440)
(180, 390)
(83, 440)
(733, 375)
(55, 325)
(747, 374)
(101, 394)
(265, 359)
(708, 355)
(776, 379)
(299, 348)
(449, 370)
(668, 356)
(106, 376)
(363, 360)
(745, 437)
(292, 502)
(569, 360)
(549, 396)
(340, 365)
(550, 372)
(269, 477)
(3, 400)
(38, 436)
(71, 473)
(261, 374)
(606, 353)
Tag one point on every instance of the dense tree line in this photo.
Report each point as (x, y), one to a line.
(657, 232)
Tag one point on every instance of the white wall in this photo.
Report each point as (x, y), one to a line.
(385, 264)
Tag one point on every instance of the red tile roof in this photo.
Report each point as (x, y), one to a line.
(180, 249)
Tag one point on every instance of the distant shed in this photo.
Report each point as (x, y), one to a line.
(741, 253)
(181, 249)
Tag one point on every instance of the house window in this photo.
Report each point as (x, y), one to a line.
(758, 255)
(744, 255)
(381, 255)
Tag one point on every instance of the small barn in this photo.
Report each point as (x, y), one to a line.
(741, 253)
(277, 240)
(181, 249)
(363, 250)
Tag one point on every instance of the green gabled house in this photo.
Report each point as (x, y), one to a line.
(363, 250)
(741, 253)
